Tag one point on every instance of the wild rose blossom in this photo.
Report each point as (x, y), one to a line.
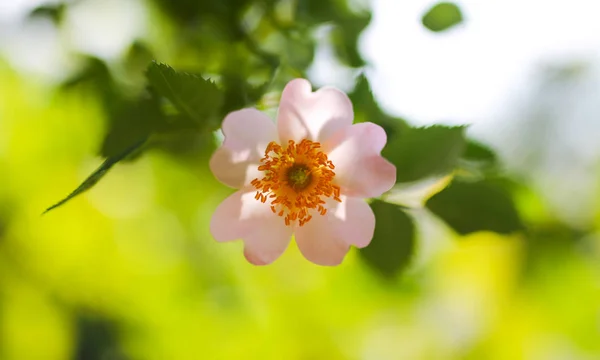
(307, 175)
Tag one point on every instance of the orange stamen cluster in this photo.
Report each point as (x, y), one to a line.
(296, 180)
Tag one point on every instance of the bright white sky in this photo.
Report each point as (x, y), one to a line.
(472, 72)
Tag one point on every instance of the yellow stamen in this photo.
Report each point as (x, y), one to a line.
(296, 180)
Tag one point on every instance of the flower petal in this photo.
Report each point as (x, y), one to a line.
(325, 240)
(315, 116)
(247, 133)
(265, 234)
(360, 170)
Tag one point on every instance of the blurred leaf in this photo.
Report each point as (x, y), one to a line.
(550, 241)
(137, 58)
(420, 153)
(469, 207)
(393, 242)
(299, 49)
(477, 162)
(478, 152)
(185, 144)
(98, 339)
(93, 74)
(54, 12)
(130, 122)
(191, 12)
(193, 96)
(442, 17)
(345, 39)
(319, 11)
(98, 174)
(129, 117)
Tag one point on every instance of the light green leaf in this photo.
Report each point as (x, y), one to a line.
(442, 17)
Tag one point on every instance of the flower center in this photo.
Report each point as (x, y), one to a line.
(296, 179)
(299, 176)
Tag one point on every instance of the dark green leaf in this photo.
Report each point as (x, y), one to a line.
(345, 39)
(129, 122)
(193, 96)
(419, 153)
(442, 17)
(476, 206)
(98, 174)
(94, 75)
(240, 94)
(393, 243)
(97, 338)
(479, 153)
(478, 161)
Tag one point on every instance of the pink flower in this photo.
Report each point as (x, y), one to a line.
(308, 175)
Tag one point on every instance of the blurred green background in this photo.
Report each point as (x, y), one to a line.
(504, 263)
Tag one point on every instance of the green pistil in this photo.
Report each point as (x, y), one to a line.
(299, 176)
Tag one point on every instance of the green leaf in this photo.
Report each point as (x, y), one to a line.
(98, 174)
(478, 161)
(54, 12)
(469, 207)
(130, 121)
(197, 98)
(479, 153)
(345, 38)
(442, 17)
(393, 242)
(420, 153)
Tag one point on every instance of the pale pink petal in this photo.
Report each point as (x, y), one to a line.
(232, 168)
(360, 170)
(320, 243)
(316, 116)
(325, 240)
(247, 133)
(240, 216)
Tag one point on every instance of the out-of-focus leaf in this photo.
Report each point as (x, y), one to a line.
(193, 96)
(420, 153)
(299, 49)
(469, 207)
(98, 174)
(137, 58)
(345, 39)
(94, 74)
(478, 161)
(54, 12)
(393, 242)
(97, 339)
(478, 152)
(319, 11)
(549, 241)
(185, 144)
(130, 122)
(442, 17)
